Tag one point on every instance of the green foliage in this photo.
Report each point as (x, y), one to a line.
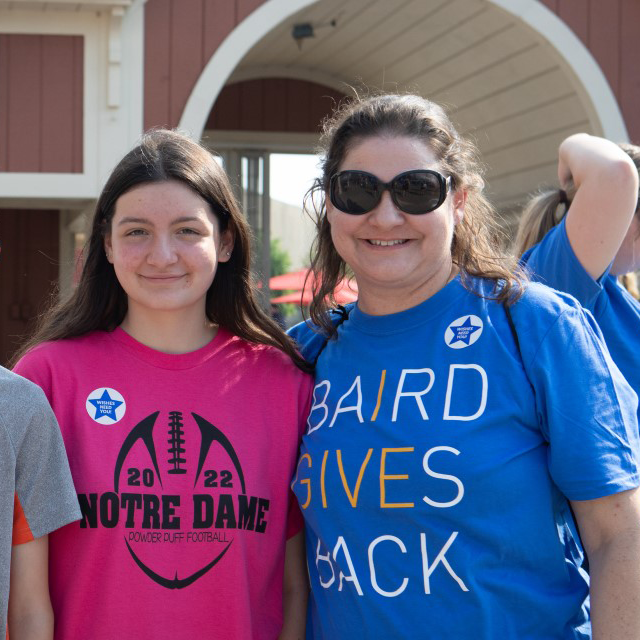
(280, 259)
(281, 263)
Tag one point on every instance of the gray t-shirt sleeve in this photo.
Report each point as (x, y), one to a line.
(43, 484)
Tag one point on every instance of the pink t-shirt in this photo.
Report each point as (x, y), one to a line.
(182, 465)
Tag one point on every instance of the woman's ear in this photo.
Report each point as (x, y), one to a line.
(459, 203)
(227, 240)
(328, 207)
(107, 248)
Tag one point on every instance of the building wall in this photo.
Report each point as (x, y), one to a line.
(610, 31)
(180, 38)
(41, 103)
(29, 248)
(294, 229)
(273, 104)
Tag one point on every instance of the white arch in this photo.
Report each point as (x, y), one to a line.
(591, 79)
(234, 47)
(593, 82)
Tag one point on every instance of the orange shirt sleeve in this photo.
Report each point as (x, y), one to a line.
(21, 530)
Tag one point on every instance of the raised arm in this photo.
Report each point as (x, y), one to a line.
(610, 530)
(606, 182)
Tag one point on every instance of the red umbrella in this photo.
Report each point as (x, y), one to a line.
(293, 280)
(346, 291)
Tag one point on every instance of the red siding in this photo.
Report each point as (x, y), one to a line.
(217, 25)
(229, 111)
(29, 270)
(245, 7)
(186, 52)
(4, 102)
(604, 35)
(629, 90)
(78, 101)
(576, 13)
(272, 104)
(157, 63)
(251, 118)
(41, 106)
(610, 31)
(23, 138)
(180, 38)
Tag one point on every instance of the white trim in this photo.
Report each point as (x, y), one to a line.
(294, 73)
(226, 58)
(133, 71)
(115, 57)
(35, 186)
(591, 81)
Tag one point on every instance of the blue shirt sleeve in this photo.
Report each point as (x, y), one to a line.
(587, 411)
(310, 338)
(554, 263)
(309, 341)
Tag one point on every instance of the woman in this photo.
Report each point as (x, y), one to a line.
(580, 238)
(181, 407)
(447, 440)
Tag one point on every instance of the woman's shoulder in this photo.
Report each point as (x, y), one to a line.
(305, 334)
(530, 297)
(310, 338)
(541, 298)
(545, 316)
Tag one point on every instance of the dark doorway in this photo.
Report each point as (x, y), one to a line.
(28, 272)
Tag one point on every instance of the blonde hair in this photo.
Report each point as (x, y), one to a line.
(630, 282)
(545, 210)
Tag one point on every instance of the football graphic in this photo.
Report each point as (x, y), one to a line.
(182, 496)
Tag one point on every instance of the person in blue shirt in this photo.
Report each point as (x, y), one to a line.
(459, 412)
(582, 237)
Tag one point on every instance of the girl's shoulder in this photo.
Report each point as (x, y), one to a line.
(67, 350)
(259, 357)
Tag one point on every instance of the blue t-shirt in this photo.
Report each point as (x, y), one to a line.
(436, 462)
(554, 263)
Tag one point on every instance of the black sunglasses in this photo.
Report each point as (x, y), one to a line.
(415, 192)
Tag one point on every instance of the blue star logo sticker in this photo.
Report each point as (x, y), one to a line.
(463, 332)
(105, 406)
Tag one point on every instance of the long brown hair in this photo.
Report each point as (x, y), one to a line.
(477, 239)
(100, 303)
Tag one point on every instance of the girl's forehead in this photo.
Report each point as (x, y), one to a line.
(156, 199)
